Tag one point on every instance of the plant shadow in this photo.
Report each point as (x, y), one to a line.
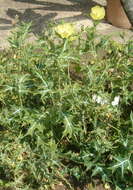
(40, 13)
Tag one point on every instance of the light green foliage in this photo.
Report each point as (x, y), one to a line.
(56, 114)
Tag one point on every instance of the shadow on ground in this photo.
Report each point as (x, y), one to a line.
(45, 11)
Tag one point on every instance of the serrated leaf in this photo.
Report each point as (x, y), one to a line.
(97, 170)
(68, 126)
(122, 163)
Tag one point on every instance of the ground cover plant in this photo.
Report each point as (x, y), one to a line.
(66, 111)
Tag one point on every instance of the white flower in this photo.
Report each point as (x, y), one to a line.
(107, 186)
(116, 100)
(99, 99)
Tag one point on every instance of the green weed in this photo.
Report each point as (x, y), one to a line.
(66, 111)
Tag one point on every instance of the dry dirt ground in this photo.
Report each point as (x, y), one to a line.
(41, 12)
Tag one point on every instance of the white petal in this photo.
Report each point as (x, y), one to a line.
(94, 97)
(99, 99)
(116, 100)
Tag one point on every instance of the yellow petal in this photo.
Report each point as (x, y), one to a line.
(65, 30)
(97, 12)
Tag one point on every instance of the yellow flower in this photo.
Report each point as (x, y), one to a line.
(97, 12)
(65, 30)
